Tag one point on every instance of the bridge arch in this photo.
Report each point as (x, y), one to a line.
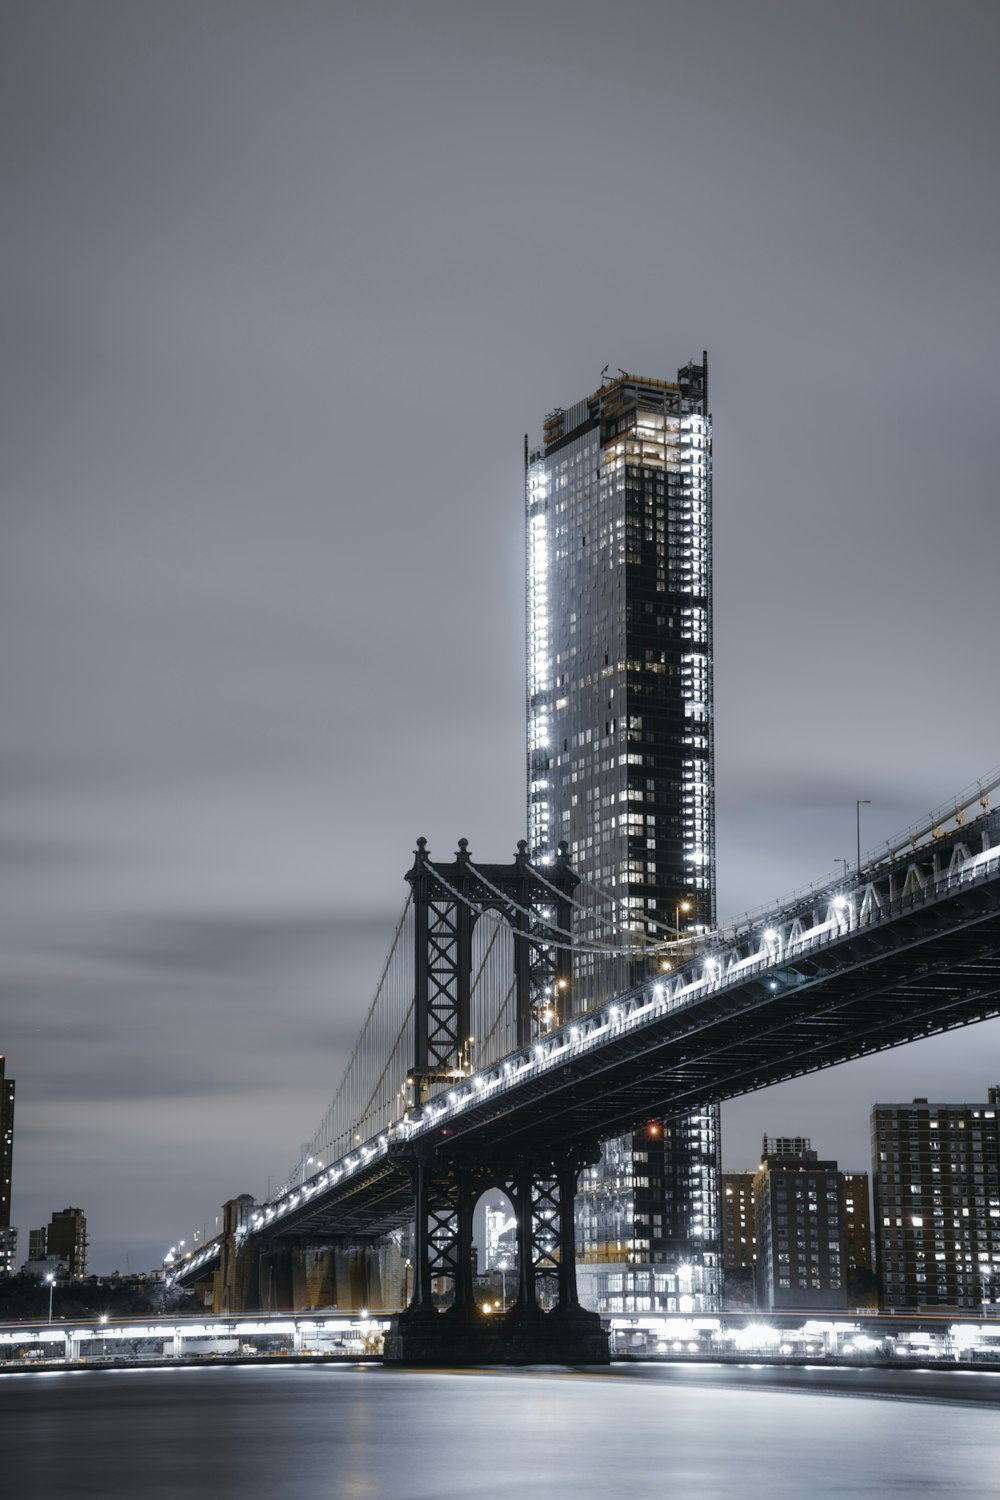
(495, 1235)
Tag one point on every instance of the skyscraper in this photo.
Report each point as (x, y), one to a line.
(8, 1235)
(621, 766)
(936, 1170)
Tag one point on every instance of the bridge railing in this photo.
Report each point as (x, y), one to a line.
(375, 1108)
(919, 836)
(778, 945)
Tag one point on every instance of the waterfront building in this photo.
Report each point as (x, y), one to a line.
(797, 1209)
(46, 1268)
(620, 766)
(741, 1231)
(936, 1170)
(856, 1221)
(8, 1235)
(64, 1240)
(739, 1241)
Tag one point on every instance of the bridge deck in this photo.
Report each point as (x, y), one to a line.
(909, 949)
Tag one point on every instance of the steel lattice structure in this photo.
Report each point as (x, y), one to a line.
(908, 948)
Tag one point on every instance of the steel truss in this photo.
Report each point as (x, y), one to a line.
(448, 900)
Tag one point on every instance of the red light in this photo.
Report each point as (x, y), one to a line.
(652, 1129)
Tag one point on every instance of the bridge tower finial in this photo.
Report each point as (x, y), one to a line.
(462, 853)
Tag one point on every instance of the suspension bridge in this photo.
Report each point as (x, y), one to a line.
(478, 1067)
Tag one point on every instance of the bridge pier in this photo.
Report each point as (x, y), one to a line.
(443, 1323)
(546, 1325)
(275, 1278)
(262, 1274)
(236, 1277)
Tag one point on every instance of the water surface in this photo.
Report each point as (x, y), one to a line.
(365, 1433)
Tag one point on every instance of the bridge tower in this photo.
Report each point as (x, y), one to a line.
(546, 1323)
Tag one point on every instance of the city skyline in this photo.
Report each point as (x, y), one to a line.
(261, 627)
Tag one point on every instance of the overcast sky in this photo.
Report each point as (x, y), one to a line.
(284, 285)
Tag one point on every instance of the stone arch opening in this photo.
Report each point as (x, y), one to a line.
(495, 1242)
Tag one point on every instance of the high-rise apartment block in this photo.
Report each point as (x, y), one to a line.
(937, 1203)
(65, 1239)
(621, 767)
(798, 1215)
(856, 1222)
(775, 1230)
(738, 1236)
(8, 1235)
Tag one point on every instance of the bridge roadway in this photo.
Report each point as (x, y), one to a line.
(909, 948)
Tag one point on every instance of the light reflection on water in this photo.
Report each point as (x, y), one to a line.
(364, 1433)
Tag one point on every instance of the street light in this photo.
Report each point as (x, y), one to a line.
(681, 906)
(50, 1278)
(860, 802)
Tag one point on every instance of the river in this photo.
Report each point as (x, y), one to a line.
(327, 1432)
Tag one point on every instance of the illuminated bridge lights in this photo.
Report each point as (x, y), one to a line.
(763, 950)
(914, 1339)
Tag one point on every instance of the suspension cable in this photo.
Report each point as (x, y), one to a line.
(588, 911)
(577, 943)
(533, 916)
(395, 1047)
(371, 1008)
(612, 901)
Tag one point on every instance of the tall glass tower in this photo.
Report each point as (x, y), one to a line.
(618, 496)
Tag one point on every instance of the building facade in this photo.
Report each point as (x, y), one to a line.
(856, 1220)
(8, 1234)
(738, 1237)
(66, 1240)
(738, 1242)
(936, 1170)
(798, 1217)
(741, 1232)
(620, 766)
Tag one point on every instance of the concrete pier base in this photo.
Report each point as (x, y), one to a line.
(421, 1336)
